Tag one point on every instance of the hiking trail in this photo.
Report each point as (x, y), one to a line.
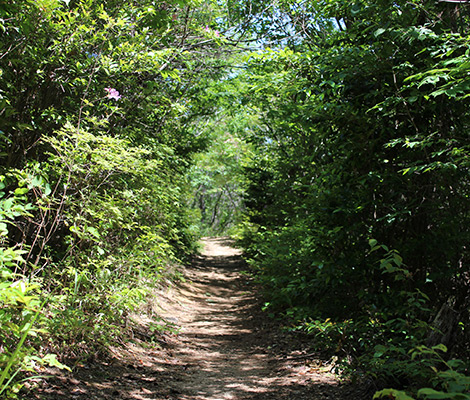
(225, 347)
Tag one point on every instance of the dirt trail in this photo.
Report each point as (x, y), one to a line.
(226, 347)
(227, 342)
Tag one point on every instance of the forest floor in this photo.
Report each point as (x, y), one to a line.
(222, 347)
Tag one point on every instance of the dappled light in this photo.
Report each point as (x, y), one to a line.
(234, 199)
(225, 349)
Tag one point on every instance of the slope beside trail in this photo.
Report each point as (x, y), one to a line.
(225, 347)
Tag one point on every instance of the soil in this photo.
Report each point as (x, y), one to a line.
(222, 347)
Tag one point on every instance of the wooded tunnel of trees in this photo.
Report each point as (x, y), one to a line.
(330, 137)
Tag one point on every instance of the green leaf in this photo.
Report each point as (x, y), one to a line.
(379, 31)
(47, 190)
(93, 231)
(392, 394)
(434, 394)
(3, 229)
(7, 204)
(51, 360)
(21, 191)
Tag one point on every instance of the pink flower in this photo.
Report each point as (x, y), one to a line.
(217, 33)
(206, 28)
(112, 93)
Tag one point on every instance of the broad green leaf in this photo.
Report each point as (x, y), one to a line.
(392, 394)
(434, 394)
(21, 191)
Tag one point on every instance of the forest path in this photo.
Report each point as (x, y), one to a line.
(229, 348)
(225, 348)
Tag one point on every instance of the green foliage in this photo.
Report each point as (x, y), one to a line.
(362, 134)
(98, 104)
(393, 394)
(20, 302)
(350, 126)
(114, 195)
(447, 377)
(216, 176)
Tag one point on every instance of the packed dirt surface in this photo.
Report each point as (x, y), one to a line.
(223, 347)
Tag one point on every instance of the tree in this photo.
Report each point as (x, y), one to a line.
(363, 121)
(97, 100)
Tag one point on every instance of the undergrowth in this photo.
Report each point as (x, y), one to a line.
(76, 303)
(384, 343)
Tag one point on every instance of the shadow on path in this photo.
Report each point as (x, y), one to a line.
(226, 348)
(231, 349)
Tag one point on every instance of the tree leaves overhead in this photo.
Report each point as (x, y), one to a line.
(323, 126)
(364, 119)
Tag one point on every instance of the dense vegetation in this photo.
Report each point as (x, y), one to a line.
(358, 196)
(97, 109)
(338, 146)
